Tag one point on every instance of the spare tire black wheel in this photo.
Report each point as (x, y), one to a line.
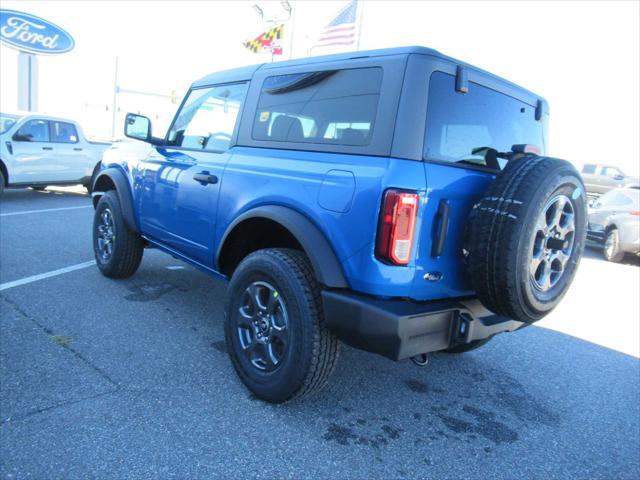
(526, 236)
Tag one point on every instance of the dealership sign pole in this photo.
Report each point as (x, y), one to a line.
(31, 36)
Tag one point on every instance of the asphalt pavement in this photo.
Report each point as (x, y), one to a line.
(131, 379)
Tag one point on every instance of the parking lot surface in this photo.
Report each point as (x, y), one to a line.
(102, 378)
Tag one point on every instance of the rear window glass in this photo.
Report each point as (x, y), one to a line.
(589, 169)
(328, 107)
(63, 132)
(459, 123)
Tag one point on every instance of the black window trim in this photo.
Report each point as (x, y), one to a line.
(234, 135)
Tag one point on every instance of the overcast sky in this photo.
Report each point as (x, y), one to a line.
(583, 57)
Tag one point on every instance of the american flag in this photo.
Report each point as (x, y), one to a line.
(342, 29)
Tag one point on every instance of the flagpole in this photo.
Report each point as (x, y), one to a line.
(292, 19)
(360, 14)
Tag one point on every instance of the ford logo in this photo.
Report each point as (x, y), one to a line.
(32, 34)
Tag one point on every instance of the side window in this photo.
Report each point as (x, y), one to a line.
(621, 200)
(63, 132)
(327, 107)
(589, 169)
(607, 199)
(208, 118)
(33, 131)
(611, 172)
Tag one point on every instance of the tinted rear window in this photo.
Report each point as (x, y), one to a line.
(458, 123)
(328, 107)
(63, 132)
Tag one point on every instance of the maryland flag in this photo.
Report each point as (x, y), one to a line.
(269, 41)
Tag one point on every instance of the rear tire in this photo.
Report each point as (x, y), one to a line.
(117, 248)
(274, 326)
(611, 249)
(2, 180)
(39, 188)
(526, 236)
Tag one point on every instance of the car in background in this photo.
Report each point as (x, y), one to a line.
(614, 223)
(599, 179)
(40, 150)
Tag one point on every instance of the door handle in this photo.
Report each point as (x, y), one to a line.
(441, 225)
(205, 178)
(77, 149)
(47, 148)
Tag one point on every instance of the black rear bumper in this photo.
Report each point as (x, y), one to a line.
(401, 329)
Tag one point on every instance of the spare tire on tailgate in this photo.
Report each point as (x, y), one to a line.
(525, 237)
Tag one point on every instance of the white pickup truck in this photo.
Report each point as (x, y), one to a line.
(39, 150)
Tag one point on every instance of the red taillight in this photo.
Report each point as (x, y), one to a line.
(397, 226)
(634, 213)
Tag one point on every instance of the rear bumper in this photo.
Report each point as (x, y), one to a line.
(399, 329)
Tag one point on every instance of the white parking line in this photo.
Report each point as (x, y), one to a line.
(42, 276)
(43, 210)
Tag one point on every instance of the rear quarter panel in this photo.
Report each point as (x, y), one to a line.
(295, 179)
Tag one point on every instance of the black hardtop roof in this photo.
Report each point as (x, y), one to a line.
(246, 73)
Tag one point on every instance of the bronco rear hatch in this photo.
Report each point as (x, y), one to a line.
(458, 170)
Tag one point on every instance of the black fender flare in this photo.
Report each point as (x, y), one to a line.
(123, 190)
(323, 259)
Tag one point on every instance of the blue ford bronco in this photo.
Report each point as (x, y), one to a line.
(396, 200)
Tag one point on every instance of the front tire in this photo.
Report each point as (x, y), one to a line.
(274, 326)
(118, 249)
(611, 249)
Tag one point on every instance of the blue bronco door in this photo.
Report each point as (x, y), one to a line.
(181, 180)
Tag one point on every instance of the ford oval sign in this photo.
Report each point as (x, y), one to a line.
(32, 34)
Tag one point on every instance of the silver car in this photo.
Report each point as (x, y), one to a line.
(614, 223)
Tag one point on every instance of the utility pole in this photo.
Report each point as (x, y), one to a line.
(27, 82)
(292, 19)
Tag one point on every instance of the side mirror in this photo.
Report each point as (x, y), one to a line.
(22, 137)
(137, 127)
